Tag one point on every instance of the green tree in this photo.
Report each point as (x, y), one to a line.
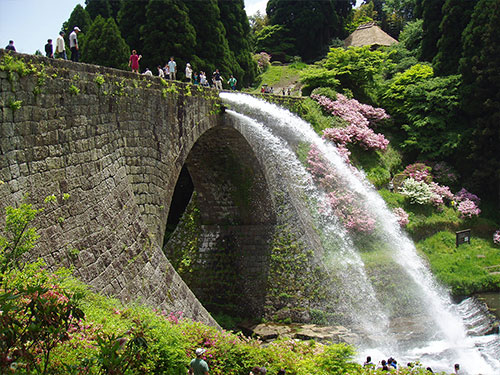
(354, 68)
(397, 13)
(456, 16)
(364, 14)
(98, 8)
(167, 32)
(131, 16)
(104, 45)
(276, 41)
(311, 24)
(427, 109)
(431, 15)
(79, 17)
(481, 94)
(235, 21)
(212, 46)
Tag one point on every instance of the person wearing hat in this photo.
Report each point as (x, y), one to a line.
(60, 46)
(73, 44)
(198, 366)
(189, 72)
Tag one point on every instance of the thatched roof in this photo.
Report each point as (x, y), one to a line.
(367, 35)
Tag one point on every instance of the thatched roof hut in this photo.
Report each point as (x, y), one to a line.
(369, 34)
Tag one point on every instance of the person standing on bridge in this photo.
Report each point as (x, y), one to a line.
(60, 46)
(133, 61)
(198, 366)
(10, 46)
(217, 79)
(73, 44)
(49, 49)
(172, 68)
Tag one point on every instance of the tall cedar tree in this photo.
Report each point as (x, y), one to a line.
(456, 16)
(167, 32)
(480, 68)
(104, 45)
(311, 24)
(131, 16)
(431, 15)
(98, 8)
(79, 17)
(212, 48)
(235, 21)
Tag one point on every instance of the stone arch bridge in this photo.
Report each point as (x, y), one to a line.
(121, 155)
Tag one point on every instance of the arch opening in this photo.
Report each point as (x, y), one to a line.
(221, 242)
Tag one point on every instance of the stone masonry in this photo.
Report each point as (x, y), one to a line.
(107, 146)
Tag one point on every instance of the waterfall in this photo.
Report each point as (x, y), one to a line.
(427, 325)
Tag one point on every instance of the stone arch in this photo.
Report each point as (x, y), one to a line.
(232, 212)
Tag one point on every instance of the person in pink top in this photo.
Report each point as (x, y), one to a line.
(134, 61)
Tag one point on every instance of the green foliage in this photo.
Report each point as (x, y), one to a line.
(131, 16)
(12, 64)
(36, 312)
(18, 237)
(481, 95)
(353, 68)
(14, 105)
(335, 360)
(237, 27)
(98, 8)
(274, 40)
(456, 16)
(363, 14)
(79, 17)
(167, 32)
(464, 269)
(310, 25)
(428, 109)
(99, 79)
(74, 90)
(431, 15)
(104, 45)
(212, 47)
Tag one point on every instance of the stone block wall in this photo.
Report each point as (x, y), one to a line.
(109, 146)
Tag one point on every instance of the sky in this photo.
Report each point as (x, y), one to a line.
(29, 23)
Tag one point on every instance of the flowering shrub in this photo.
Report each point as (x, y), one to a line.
(468, 209)
(344, 203)
(402, 216)
(359, 117)
(419, 172)
(496, 237)
(418, 192)
(463, 195)
(263, 61)
(444, 173)
(440, 194)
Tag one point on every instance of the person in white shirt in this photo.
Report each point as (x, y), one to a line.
(61, 47)
(73, 44)
(148, 72)
(189, 73)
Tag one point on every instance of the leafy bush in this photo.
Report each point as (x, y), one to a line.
(418, 192)
(353, 68)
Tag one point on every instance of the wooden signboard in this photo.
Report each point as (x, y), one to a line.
(463, 236)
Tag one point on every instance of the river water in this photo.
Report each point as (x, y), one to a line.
(428, 327)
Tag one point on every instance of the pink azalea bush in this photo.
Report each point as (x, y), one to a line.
(343, 203)
(419, 172)
(402, 216)
(496, 237)
(463, 195)
(359, 118)
(468, 209)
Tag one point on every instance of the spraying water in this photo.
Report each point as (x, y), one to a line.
(427, 325)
